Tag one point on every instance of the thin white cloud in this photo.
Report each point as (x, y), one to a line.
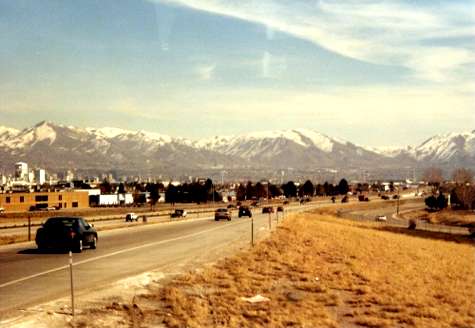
(272, 66)
(205, 72)
(377, 32)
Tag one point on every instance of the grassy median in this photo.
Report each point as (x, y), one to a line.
(320, 271)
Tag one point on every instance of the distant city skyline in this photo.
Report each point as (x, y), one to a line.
(373, 73)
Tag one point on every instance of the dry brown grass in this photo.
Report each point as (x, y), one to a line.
(12, 239)
(447, 216)
(366, 278)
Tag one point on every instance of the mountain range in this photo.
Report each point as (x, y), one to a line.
(57, 147)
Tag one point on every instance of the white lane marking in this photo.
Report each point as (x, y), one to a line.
(117, 252)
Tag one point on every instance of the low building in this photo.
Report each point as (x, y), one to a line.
(111, 199)
(25, 201)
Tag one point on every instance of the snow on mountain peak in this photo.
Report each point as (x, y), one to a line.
(283, 145)
(263, 142)
(8, 132)
(43, 131)
(109, 132)
(445, 146)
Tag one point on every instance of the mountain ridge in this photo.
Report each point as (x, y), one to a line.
(56, 146)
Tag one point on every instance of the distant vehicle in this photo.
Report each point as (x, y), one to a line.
(344, 199)
(129, 217)
(396, 197)
(363, 198)
(385, 197)
(43, 207)
(178, 213)
(381, 218)
(231, 206)
(244, 211)
(280, 208)
(222, 213)
(2, 210)
(268, 209)
(66, 232)
(286, 202)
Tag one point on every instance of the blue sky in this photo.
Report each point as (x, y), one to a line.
(376, 73)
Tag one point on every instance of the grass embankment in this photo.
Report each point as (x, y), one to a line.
(446, 216)
(319, 271)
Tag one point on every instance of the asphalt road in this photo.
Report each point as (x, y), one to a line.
(388, 211)
(28, 277)
(394, 220)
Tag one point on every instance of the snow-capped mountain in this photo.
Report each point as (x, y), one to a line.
(298, 148)
(7, 133)
(58, 147)
(444, 149)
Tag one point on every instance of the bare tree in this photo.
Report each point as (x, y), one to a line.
(462, 176)
(433, 175)
(464, 196)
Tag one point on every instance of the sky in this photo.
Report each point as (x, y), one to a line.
(378, 73)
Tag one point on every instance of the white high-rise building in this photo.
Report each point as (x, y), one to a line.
(21, 171)
(40, 176)
(68, 176)
(31, 176)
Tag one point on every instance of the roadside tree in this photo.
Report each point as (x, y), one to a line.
(433, 176)
(154, 194)
(290, 189)
(463, 176)
(343, 187)
(241, 193)
(307, 189)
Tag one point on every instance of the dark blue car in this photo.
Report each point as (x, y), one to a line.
(72, 233)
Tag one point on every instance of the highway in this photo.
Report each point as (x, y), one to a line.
(393, 220)
(28, 277)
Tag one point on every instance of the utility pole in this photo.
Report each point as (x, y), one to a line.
(268, 200)
(71, 280)
(397, 203)
(212, 190)
(252, 231)
(29, 227)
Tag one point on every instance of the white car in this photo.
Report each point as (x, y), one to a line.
(381, 218)
(129, 217)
